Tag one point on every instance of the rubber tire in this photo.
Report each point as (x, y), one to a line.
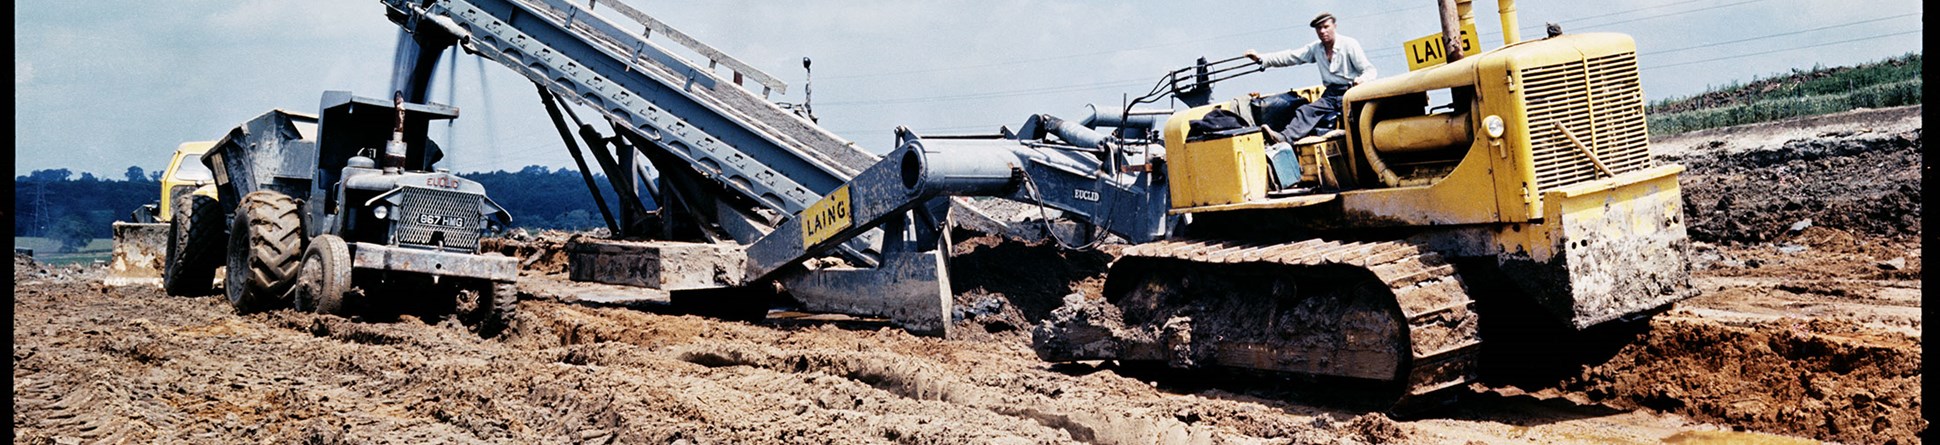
(323, 278)
(499, 310)
(195, 243)
(265, 248)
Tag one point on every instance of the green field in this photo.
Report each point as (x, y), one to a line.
(1887, 83)
(47, 250)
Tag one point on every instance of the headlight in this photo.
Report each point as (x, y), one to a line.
(1493, 125)
(381, 212)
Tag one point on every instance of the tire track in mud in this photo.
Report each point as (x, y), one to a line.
(918, 381)
(604, 375)
(884, 373)
(91, 365)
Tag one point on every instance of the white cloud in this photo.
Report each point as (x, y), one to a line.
(23, 72)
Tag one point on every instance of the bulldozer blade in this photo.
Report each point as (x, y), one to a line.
(1608, 249)
(139, 249)
(911, 289)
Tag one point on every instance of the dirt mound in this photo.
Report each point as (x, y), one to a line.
(1377, 428)
(1033, 277)
(1865, 183)
(1819, 378)
(543, 253)
(1816, 253)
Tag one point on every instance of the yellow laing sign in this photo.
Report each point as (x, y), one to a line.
(1427, 51)
(826, 217)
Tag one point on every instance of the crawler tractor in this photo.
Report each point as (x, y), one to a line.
(1528, 202)
(315, 220)
(142, 247)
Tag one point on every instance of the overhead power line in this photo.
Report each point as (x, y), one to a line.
(1532, 28)
(1795, 48)
(929, 130)
(1540, 27)
(1802, 31)
(1137, 82)
(1101, 53)
(999, 94)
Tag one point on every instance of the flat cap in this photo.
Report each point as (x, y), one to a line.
(1322, 18)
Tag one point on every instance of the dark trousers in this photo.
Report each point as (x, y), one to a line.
(1316, 117)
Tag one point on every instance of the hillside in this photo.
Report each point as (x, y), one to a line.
(1887, 83)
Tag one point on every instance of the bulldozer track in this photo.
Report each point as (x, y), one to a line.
(1440, 333)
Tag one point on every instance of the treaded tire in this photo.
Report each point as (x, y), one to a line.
(323, 279)
(500, 312)
(195, 243)
(488, 306)
(265, 247)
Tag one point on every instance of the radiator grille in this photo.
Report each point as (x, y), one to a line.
(1601, 102)
(417, 202)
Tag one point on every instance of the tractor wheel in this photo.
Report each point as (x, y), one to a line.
(265, 246)
(505, 306)
(489, 305)
(195, 242)
(323, 279)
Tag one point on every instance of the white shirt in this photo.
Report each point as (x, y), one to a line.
(1348, 65)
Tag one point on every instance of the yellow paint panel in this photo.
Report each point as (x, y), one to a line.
(1277, 203)
(827, 217)
(1427, 51)
(1219, 171)
(1465, 196)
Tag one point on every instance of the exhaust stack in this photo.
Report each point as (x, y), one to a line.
(1507, 9)
(395, 150)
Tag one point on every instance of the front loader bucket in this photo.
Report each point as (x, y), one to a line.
(1607, 249)
(139, 250)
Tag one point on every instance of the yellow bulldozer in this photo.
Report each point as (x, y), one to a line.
(1526, 201)
(141, 247)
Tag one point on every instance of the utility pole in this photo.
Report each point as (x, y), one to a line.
(40, 204)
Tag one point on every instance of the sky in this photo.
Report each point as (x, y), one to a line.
(103, 85)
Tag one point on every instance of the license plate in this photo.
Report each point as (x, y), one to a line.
(440, 220)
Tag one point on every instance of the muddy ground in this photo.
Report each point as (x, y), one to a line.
(1803, 331)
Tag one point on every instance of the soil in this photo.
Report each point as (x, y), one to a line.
(1798, 335)
(1807, 252)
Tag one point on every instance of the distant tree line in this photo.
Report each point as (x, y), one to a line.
(54, 203)
(539, 198)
